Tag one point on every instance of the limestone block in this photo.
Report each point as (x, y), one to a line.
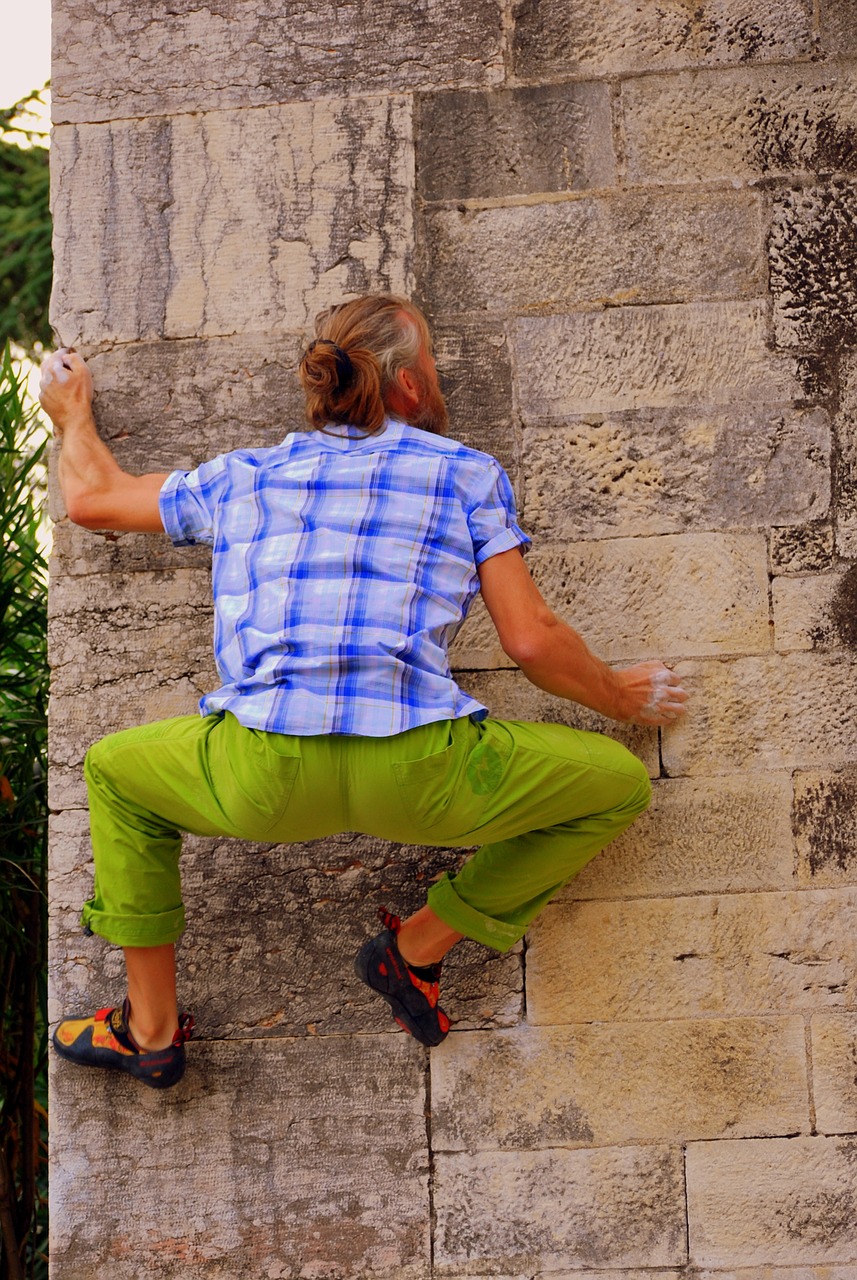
(110, 61)
(803, 617)
(802, 549)
(510, 696)
(825, 830)
(535, 1087)
(743, 123)
(648, 357)
(474, 364)
(296, 1159)
(514, 141)
(271, 936)
(613, 37)
(477, 646)
(813, 265)
(845, 449)
(838, 28)
(775, 1201)
(145, 637)
(700, 835)
(677, 595)
(229, 222)
(594, 251)
(834, 1071)
(671, 470)
(809, 1272)
(612, 1207)
(736, 955)
(786, 711)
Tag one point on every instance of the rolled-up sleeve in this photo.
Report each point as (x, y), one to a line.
(188, 502)
(493, 519)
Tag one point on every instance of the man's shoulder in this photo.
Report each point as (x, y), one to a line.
(414, 438)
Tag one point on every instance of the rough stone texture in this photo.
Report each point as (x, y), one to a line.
(803, 611)
(671, 470)
(804, 549)
(786, 711)
(838, 27)
(844, 373)
(256, 1123)
(737, 955)
(813, 263)
(834, 1072)
(289, 919)
(680, 595)
(236, 222)
(474, 364)
(611, 1207)
(627, 358)
(824, 827)
(745, 123)
(609, 38)
(674, 1081)
(775, 1201)
(514, 141)
(173, 57)
(590, 251)
(700, 835)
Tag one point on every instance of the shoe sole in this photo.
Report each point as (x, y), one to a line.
(406, 1011)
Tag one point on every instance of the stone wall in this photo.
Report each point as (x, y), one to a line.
(633, 226)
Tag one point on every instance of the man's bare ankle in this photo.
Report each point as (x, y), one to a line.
(149, 1039)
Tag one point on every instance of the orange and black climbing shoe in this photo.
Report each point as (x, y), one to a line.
(412, 993)
(104, 1040)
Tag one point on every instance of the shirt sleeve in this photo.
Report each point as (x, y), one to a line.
(493, 519)
(188, 502)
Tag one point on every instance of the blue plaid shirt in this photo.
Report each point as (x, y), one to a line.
(342, 568)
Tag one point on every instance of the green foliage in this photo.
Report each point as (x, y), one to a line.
(23, 836)
(26, 264)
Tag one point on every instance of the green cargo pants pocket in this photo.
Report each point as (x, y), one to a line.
(446, 794)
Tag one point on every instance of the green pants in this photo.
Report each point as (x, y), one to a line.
(541, 800)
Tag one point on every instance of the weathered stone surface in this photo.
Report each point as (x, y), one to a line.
(744, 123)
(844, 369)
(225, 223)
(802, 611)
(813, 266)
(593, 251)
(671, 1081)
(257, 1124)
(786, 711)
(551, 1209)
(510, 696)
(821, 1272)
(677, 595)
(670, 470)
(514, 141)
(736, 955)
(145, 637)
(772, 1201)
(824, 827)
(289, 919)
(635, 357)
(838, 27)
(804, 549)
(700, 835)
(171, 58)
(474, 364)
(834, 1071)
(611, 37)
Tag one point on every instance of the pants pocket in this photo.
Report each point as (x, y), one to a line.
(447, 794)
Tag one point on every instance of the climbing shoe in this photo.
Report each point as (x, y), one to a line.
(411, 993)
(104, 1040)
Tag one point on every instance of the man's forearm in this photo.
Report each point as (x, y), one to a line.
(560, 662)
(87, 468)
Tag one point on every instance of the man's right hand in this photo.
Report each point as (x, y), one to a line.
(65, 389)
(651, 694)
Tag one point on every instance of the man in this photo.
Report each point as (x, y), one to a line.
(344, 561)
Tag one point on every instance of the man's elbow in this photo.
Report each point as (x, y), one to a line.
(85, 510)
(528, 643)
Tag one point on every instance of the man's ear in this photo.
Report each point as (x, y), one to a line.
(408, 385)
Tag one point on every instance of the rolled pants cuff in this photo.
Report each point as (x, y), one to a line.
(453, 911)
(134, 931)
